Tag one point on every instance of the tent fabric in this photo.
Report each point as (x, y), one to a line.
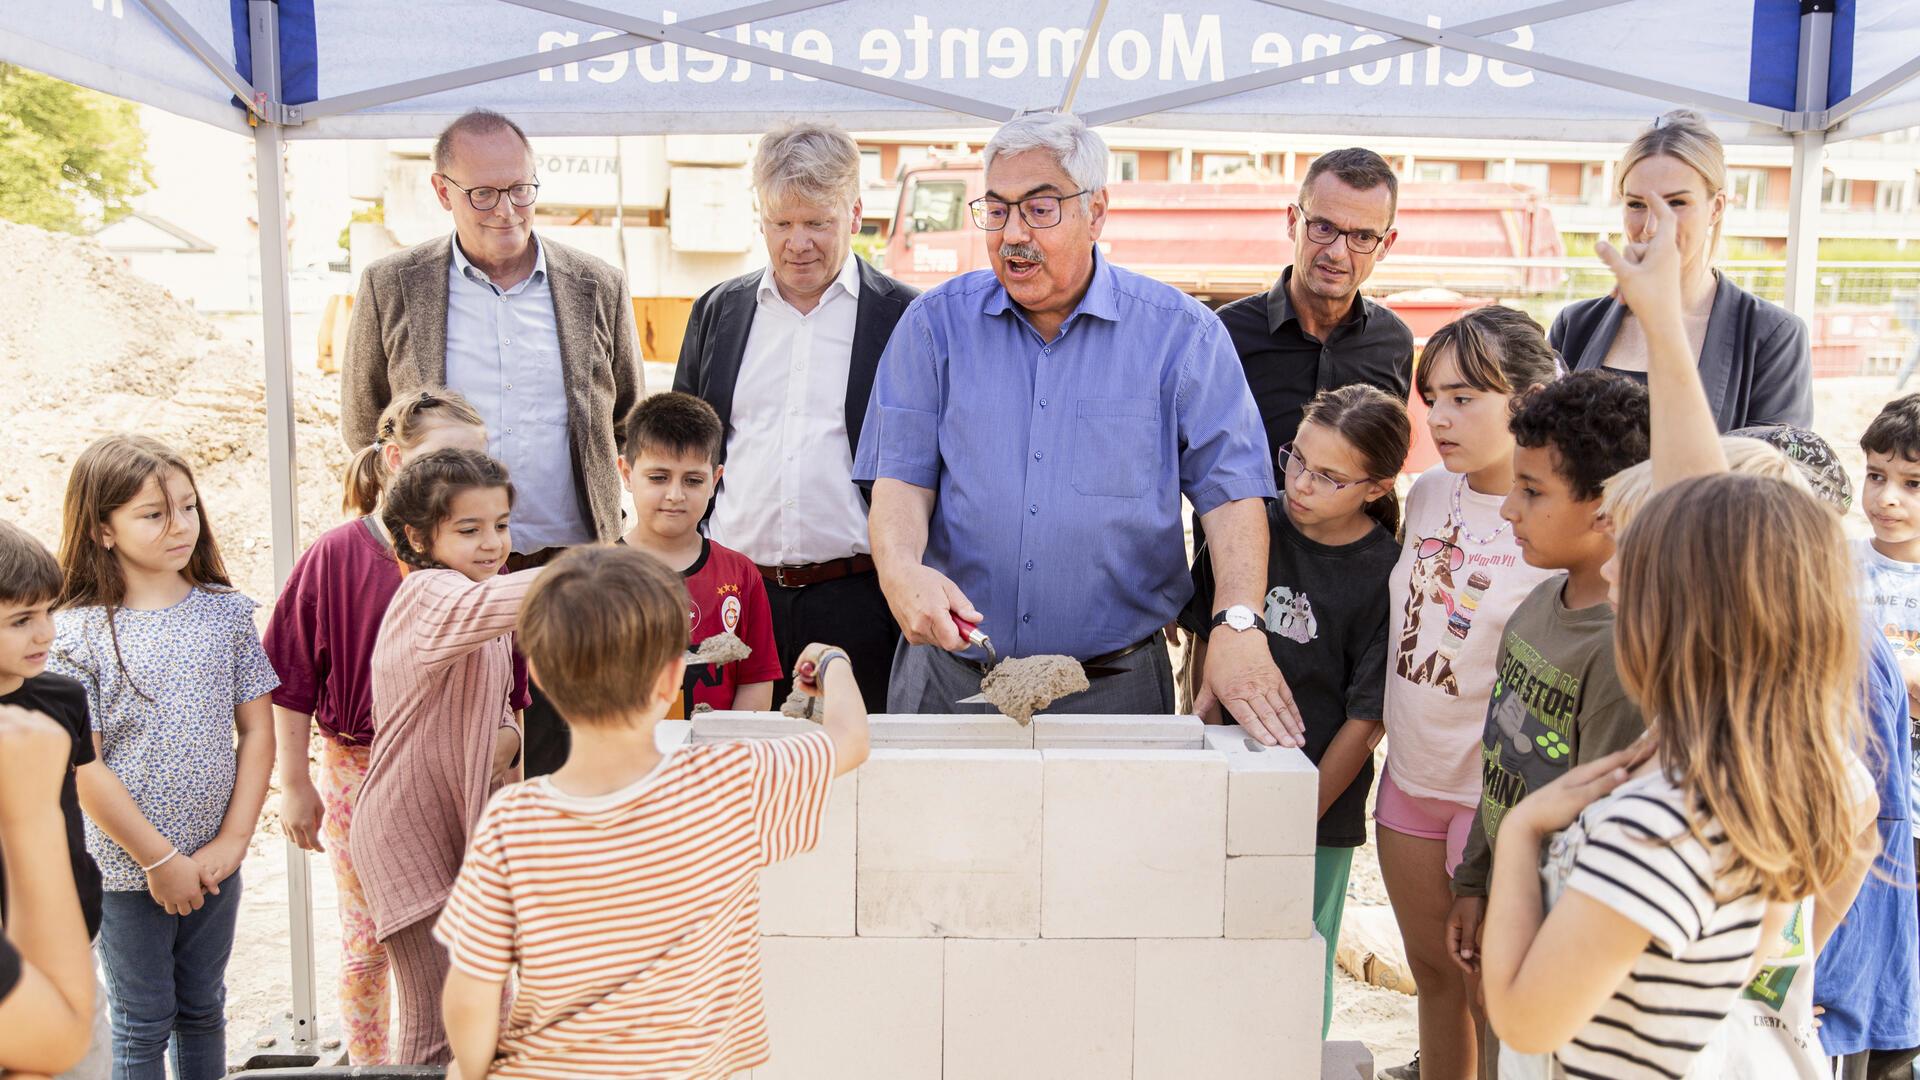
(887, 66)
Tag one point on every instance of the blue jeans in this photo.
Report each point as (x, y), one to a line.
(167, 983)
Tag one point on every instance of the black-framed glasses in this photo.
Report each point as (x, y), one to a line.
(1295, 467)
(1038, 211)
(1323, 232)
(486, 198)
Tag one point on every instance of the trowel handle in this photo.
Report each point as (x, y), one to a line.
(969, 631)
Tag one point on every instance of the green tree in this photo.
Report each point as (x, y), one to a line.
(70, 158)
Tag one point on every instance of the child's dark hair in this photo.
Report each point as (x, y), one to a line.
(110, 473)
(1595, 419)
(29, 574)
(677, 424)
(422, 497)
(403, 423)
(1377, 427)
(1896, 431)
(599, 628)
(1498, 350)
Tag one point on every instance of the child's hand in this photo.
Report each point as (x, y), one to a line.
(34, 752)
(219, 859)
(176, 885)
(809, 672)
(1463, 931)
(506, 750)
(1554, 807)
(302, 812)
(1648, 271)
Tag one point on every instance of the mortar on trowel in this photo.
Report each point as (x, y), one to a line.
(1022, 686)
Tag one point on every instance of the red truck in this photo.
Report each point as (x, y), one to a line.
(1219, 242)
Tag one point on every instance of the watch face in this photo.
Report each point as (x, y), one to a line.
(1239, 618)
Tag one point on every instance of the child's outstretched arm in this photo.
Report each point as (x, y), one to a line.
(470, 1007)
(458, 616)
(222, 855)
(846, 711)
(1684, 437)
(1545, 976)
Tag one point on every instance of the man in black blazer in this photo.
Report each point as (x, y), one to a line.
(786, 356)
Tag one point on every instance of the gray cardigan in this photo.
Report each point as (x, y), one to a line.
(1755, 362)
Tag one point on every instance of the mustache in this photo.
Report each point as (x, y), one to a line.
(1028, 252)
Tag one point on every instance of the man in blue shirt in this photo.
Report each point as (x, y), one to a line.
(1028, 441)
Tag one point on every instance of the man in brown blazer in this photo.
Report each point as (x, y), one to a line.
(538, 336)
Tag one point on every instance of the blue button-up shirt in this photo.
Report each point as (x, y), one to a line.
(503, 353)
(1058, 466)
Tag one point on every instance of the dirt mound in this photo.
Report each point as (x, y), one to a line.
(88, 348)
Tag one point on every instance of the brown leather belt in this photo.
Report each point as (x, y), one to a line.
(805, 574)
(1103, 660)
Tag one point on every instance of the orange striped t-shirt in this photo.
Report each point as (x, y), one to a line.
(633, 919)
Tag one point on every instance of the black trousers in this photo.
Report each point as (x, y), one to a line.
(544, 739)
(850, 612)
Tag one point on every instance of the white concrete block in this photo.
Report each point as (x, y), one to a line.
(892, 731)
(1133, 843)
(950, 844)
(1040, 1010)
(671, 734)
(719, 726)
(1273, 795)
(852, 1008)
(1346, 1060)
(811, 894)
(1269, 896)
(1227, 1010)
(1083, 732)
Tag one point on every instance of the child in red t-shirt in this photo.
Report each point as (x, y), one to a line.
(671, 467)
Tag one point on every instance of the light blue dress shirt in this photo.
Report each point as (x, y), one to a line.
(503, 353)
(1058, 467)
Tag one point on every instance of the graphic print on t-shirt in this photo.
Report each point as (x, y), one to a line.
(1529, 733)
(1291, 616)
(1436, 567)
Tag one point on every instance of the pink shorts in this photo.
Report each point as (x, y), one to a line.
(1429, 819)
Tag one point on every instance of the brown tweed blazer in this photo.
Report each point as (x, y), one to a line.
(398, 344)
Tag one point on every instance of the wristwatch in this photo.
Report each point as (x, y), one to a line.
(1239, 617)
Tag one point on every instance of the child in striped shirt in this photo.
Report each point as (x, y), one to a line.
(623, 890)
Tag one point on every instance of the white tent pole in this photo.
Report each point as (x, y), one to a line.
(1087, 45)
(1809, 148)
(282, 452)
(183, 31)
(1881, 87)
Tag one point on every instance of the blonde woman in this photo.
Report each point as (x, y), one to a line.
(1752, 355)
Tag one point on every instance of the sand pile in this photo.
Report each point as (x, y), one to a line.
(87, 348)
(1023, 686)
(721, 648)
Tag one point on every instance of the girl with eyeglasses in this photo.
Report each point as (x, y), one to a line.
(1331, 548)
(1459, 576)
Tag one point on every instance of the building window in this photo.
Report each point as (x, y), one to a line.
(1527, 174)
(1891, 196)
(870, 168)
(1436, 172)
(1225, 167)
(936, 206)
(1747, 189)
(1123, 165)
(1834, 191)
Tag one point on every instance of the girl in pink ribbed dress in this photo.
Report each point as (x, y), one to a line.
(445, 736)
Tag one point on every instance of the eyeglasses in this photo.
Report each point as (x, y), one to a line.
(486, 198)
(1295, 467)
(1323, 232)
(1433, 545)
(1038, 211)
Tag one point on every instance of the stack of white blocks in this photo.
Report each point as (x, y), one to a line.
(1089, 897)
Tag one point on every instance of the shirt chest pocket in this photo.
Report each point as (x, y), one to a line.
(1116, 446)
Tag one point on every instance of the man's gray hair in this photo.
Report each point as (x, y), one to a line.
(1081, 153)
(807, 161)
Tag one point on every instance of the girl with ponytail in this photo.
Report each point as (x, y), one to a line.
(321, 642)
(1331, 552)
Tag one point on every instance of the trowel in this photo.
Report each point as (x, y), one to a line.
(975, 636)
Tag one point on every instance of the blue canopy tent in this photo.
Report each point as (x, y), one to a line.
(1781, 71)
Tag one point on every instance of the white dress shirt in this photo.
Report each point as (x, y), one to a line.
(503, 353)
(788, 496)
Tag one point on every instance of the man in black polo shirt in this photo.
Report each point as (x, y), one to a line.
(1313, 330)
